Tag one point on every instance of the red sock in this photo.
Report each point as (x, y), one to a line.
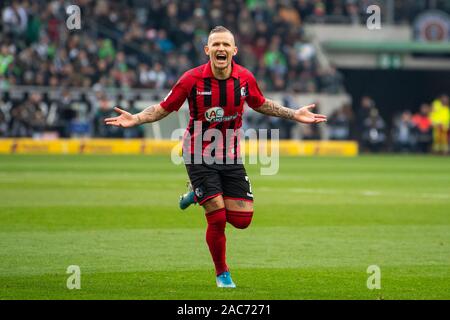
(240, 220)
(215, 238)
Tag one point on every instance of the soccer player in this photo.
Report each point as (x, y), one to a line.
(216, 92)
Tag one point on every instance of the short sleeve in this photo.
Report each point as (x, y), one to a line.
(176, 97)
(255, 98)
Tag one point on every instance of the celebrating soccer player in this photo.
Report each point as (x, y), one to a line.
(216, 92)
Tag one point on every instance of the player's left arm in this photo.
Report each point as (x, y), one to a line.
(303, 114)
(256, 100)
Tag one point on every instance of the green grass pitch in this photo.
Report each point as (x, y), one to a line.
(318, 224)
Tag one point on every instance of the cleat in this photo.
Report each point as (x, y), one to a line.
(188, 198)
(224, 280)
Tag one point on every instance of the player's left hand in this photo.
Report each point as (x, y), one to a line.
(305, 115)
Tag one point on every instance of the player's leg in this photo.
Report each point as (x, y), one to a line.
(239, 212)
(238, 196)
(445, 132)
(215, 233)
(215, 238)
(442, 139)
(207, 187)
(436, 139)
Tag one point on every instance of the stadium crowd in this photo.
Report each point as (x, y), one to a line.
(425, 131)
(149, 44)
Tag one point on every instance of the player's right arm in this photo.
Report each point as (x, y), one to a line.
(148, 115)
(172, 102)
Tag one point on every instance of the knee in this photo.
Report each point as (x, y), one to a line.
(239, 220)
(217, 218)
(242, 224)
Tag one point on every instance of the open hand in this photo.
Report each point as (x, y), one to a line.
(125, 119)
(305, 115)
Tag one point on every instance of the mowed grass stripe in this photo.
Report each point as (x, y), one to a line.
(28, 253)
(86, 217)
(318, 224)
(307, 283)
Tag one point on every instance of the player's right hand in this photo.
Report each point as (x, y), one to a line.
(125, 119)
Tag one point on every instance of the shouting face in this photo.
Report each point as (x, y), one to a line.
(221, 49)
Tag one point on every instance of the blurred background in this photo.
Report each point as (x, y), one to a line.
(387, 89)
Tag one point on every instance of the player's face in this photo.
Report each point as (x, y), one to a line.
(221, 49)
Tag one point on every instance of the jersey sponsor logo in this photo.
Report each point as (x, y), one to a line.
(244, 92)
(204, 93)
(216, 114)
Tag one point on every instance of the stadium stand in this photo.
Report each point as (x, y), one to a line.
(133, 51)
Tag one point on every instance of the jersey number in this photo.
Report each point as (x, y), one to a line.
(249, 184)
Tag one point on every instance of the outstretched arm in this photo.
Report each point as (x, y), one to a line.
(148, 115)
(304, 114)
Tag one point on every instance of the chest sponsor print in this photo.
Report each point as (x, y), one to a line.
(217, 114)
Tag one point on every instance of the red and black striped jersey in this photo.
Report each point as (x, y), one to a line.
(214, 104)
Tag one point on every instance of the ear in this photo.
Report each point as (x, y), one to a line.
(206, 48)
(235, 51)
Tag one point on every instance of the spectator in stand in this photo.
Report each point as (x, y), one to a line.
(27, 117)
(423, 129)
(374, 132)
(3, 124)
(331, 81)
(403, 133)
(15, 19)
(105, 111)
(65, 114)
(366, 105)
(157, 77)
(440, 118)
(5, 109)
(340, 123)
(37, 121)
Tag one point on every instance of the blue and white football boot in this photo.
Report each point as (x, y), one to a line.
(188, 198)
(224, 280)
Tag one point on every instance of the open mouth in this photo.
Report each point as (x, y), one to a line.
(221, 57)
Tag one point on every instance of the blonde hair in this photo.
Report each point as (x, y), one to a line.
(218, 29)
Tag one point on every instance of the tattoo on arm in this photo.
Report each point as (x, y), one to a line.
(271, 108)
(152, 114)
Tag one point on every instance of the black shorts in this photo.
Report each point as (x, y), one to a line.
(210, 180)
